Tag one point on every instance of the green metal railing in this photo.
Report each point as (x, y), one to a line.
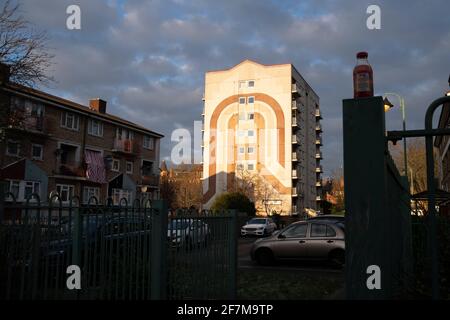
(125, 252)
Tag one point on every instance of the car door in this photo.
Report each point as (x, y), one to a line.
(321, 240)
(292, 242)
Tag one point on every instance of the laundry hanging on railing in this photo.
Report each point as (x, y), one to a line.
(95, 167)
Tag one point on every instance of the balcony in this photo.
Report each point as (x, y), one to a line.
(124, 146)
(295, 122)
(318, 114)
(295, 139)
(294, 192)
(294, 105)
(23, 121)
(319, 155)
(294, 174)
(319, 184)
(295, 89)
(319, 169)
(318, 128)
(318, 198)
(150, 180)
(294, 156)
(72, 169)
(319, 141)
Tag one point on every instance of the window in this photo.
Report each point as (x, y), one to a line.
(129, 167)
(115, 165)
(241, 133)
(322, 230)
(22, 190)
(149, 142)
(70, 121)
(240, 166)
(251, 99)
(251, 83)
(251, 116)
(250, 149)
(296, 231)
(241, 115)
(37, 152)
(242, 84)
(31, 187)
(251, 166)
(89, 192)
(14, 188)
(12, 148)
(241, 150)
(95, 128)
(65, 192)
(124, 134)
(242, 100)
(251, 133)
(147, 168)
(119, 194)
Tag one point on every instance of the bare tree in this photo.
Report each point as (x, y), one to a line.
(416, 161)
(23, 48)
(337, 190)
(417, 167)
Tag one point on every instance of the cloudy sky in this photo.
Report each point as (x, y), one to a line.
(147, 58)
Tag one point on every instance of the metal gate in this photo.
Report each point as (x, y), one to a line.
(128, 251)
(379, 226)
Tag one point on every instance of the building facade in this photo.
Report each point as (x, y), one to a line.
(55, 146)
(261, 128)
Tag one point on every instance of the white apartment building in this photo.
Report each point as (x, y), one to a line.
(261, 131)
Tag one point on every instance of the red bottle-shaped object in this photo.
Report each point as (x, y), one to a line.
(362, 77)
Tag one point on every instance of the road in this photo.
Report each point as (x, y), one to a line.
(245, 262)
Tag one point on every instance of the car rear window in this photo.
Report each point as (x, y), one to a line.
(322, 230)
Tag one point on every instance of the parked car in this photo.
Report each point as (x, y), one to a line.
(332, 218)
(303, 240)
(259, 227)
(187, 232)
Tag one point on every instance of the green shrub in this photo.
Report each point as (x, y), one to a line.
(234, 201)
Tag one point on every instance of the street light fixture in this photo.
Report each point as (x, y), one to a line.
(387, 106)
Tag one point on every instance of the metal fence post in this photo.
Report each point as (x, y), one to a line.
(76, 242)
(365, 197)
(2, 201)
(159, 251)
(232, 258)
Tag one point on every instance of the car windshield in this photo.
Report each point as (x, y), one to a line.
(178, 225)
(257, 221)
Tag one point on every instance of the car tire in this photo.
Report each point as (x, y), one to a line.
(264, 257)
(337, 258)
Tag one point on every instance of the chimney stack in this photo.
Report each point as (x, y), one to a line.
(98, 105)
(5, 73)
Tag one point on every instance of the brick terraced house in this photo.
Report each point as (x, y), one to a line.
(55, 146)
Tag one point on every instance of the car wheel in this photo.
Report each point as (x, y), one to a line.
(264, 257)
(337, 258)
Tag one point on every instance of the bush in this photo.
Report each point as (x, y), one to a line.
(234, 201)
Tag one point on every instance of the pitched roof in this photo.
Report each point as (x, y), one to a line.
(76, 107)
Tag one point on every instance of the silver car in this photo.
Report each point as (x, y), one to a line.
(304, 240)
(258, 227)
(187, 232)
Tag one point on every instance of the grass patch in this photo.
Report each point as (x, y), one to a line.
(286, 285)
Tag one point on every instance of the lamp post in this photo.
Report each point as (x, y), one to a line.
(387, 106)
